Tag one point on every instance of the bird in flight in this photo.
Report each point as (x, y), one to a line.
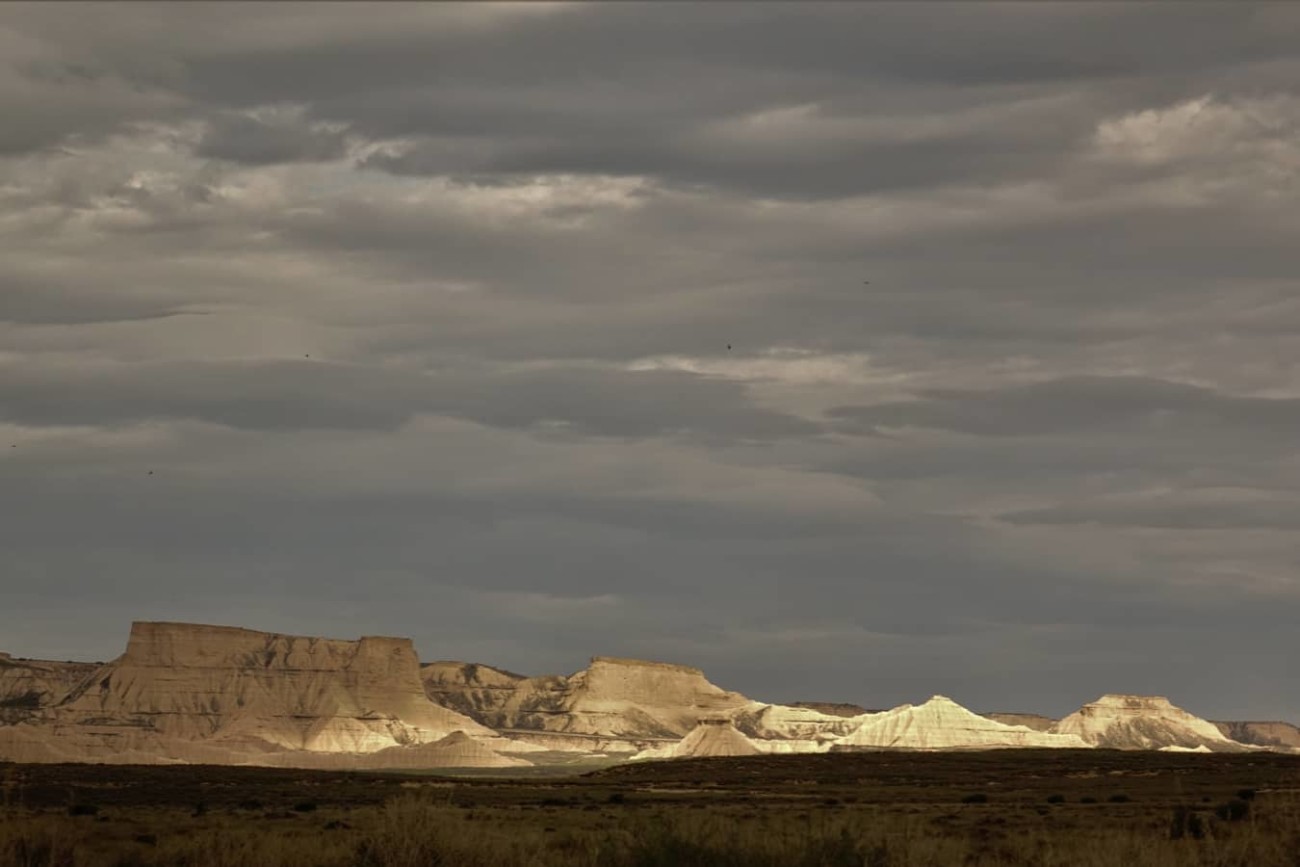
(728, 347)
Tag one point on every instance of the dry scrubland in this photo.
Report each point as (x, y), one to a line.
(1000, 808)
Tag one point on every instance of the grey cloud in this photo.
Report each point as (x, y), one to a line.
(1067, 339)
(254, 141)
(1080, 405)
(287, 395)
(1265, 515)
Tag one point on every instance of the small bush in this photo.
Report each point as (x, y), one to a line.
(1056, 799)
(1233, 811)
(616, 798)
(1087, 799)
(146, 839)
(83, 809)
(975, 798)
(305, 807)
(1186, 822)
(1119, 798)
(1246, 794)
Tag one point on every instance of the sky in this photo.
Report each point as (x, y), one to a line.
(847, 352)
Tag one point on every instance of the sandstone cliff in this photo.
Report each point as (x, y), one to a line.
(191, 692)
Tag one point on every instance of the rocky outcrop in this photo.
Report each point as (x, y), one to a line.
(942, 724)
(186, 690)
(29, 685)
(457, 750)
(832, 708)
(713, 736)
(613, 698)
(1272, 735)
(1037, 722)
(771, 722)
(1142, 722)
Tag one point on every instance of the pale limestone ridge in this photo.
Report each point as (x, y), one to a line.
(942, 724)
(1143, 722)
(712, 736)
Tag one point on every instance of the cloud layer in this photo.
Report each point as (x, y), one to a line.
(850, 352)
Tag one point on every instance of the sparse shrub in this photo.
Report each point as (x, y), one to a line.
(83, 809)
(1186, 822)
(408, 833)
(1056, 799)
(250, 804)
(1087, 799)
(200, 809)
(1233, 811)
(305, 807)
(1119, 798)
(975, 798)
(616, 798)
(37, 847)
(1246, 794)
(146, 839)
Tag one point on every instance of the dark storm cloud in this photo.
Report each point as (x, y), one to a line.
(594, 368)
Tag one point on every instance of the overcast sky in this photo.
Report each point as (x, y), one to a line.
(536, 332)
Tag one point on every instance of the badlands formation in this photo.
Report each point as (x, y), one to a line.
(214, 694)
(942, 724)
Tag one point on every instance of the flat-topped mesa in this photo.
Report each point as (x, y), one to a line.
(1142, 722)
(658, 683)
(201, 682)
(193, 645)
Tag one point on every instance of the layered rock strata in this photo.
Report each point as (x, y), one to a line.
(188, 692)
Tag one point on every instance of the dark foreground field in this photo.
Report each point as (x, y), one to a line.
(992, 808)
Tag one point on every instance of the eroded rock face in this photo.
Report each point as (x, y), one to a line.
(623, 699)
(942, 724)
(1262, 734)
(1037, 722)
(29, 685)
(183, 691)
(833, 708)
(1142, 722)
(772, 722)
